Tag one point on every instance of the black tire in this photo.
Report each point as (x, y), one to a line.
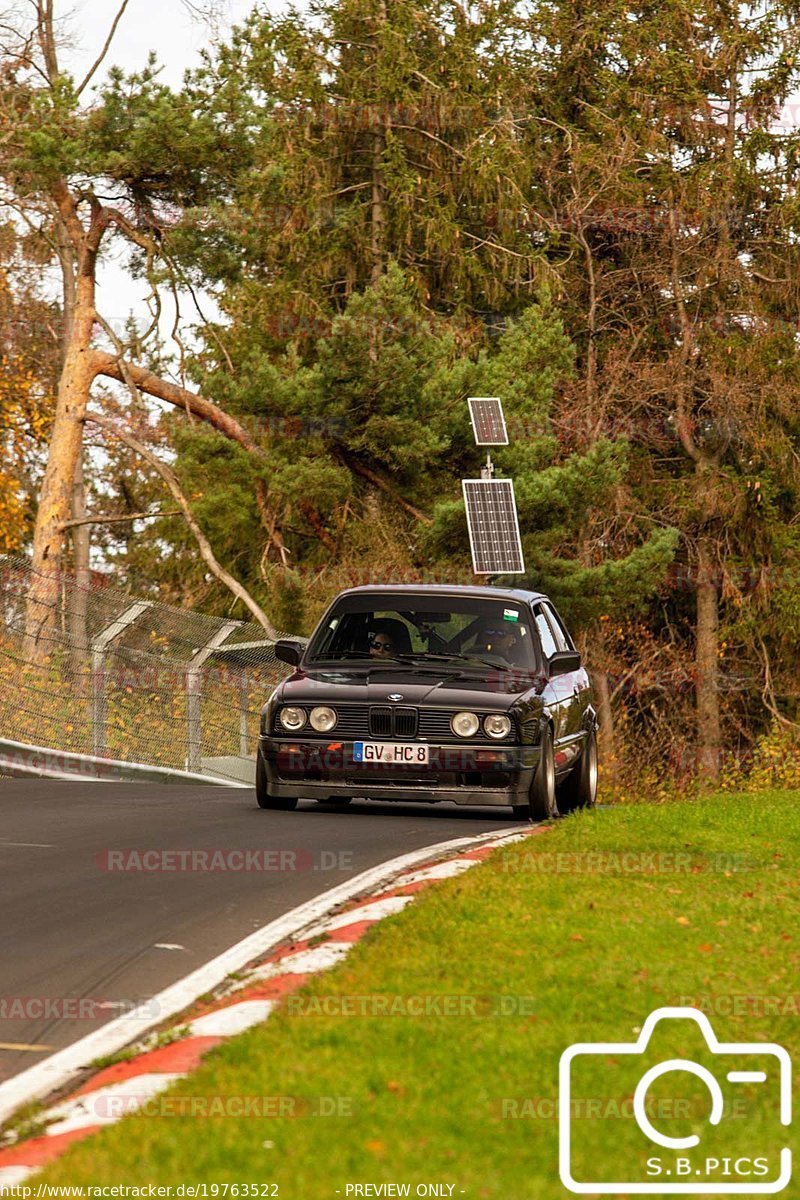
(579, 789)
(541, 804)
(262, 790)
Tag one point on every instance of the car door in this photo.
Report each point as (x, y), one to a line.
(558, 694)
(577, 688)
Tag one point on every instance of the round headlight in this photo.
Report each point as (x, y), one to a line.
(497, 725)
(465, 724)
(323, 719)
(292, 718)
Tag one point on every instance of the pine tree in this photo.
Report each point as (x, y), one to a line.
(556, 492)
(59, 155)
(380, 243)
(380, 130)
(667, 208)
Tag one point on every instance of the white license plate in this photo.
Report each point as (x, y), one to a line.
(390, 752)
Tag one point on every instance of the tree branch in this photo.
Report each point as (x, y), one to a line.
(314, 520)
(768, 691)
(98, 61)
(47, 41)
(171, 480)
(102, 519)
(269, 520)
(191, 402)
(383, 485)
(196, 405)
(115, 217)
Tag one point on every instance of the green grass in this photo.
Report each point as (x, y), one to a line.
(27, 1122)
(157, 1042)
(580, 948)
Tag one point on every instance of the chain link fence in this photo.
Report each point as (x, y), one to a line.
(133, 680)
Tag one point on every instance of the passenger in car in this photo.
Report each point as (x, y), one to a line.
(500, 640)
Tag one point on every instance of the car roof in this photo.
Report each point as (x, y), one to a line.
(480, 591)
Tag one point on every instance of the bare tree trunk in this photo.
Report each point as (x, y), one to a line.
(605, 735)
(55, 504)
(593, 652)
(709, 745)
(709, 730)
(79, 594)
(378, 215)
(709, 725)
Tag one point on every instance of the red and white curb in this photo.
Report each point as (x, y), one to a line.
(279, 959)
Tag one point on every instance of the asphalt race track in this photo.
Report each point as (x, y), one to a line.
(111, 892)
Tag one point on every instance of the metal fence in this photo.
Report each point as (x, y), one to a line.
(132, 680)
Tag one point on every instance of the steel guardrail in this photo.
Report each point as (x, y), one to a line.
(42, 762)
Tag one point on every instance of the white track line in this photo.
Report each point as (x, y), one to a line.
(375, 911)
(11, 1177)
(445, 870)
(304, 962)
(57, 1070)
(236, 1018)
(107, 1105)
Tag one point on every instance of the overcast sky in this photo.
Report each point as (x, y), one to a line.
(165, 26)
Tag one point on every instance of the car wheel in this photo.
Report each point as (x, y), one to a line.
(541, 805)
(262, 790)
(579, 789)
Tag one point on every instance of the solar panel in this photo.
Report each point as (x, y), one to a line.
(493, 528)
(488, 422)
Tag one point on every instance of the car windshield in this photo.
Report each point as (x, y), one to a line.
(425, 629)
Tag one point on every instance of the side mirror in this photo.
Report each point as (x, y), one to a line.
(289, 651)
(564, 661)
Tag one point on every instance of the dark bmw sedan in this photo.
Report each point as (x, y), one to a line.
(429, 693)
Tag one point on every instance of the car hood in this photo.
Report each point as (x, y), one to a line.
(448, 687)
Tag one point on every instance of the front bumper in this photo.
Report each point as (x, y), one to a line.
(474, 774)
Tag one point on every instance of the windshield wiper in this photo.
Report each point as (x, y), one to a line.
(447, 657)
(359, 655)
(416, 660)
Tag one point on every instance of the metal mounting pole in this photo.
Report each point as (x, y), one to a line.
(99, 648)
(194, 731)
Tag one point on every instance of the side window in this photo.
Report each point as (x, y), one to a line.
(549, 646)
(562, 639)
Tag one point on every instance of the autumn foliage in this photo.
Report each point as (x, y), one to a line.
(26, 398)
